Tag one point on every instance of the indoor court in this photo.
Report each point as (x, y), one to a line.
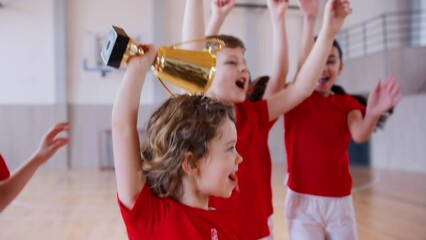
(71, 205)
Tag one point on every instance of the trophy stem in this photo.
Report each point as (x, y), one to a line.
(132, 49)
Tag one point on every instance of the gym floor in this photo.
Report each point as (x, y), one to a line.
(81, 204)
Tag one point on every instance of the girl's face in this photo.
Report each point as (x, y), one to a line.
(217, 171)
(332, 69)
(231, 79)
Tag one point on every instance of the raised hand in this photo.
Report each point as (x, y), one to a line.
(277, 8)
(222, 7)
(384, 96)
(309, 8)
(147, 59)
(335, 13)
(50, 142)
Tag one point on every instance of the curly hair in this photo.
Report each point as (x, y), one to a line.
(180, 125)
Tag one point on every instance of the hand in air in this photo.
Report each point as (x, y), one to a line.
(50, 143)
(384, 96)
(277, 8)
(222, 7)
(335, 13)
(309, 8)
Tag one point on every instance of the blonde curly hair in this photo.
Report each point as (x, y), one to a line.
(180, 125)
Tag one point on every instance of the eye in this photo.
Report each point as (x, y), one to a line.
(330, 62)
(231, 62)
(231, 148)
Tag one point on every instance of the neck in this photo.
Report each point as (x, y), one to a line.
(191, 195)
(325, 94)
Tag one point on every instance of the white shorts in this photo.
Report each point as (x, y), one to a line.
(316, 217)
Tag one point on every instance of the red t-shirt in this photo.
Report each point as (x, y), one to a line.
(316, 139)
(253, 203)
(4, 171)
(153, 217)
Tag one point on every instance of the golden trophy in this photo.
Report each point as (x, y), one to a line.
(190, 70)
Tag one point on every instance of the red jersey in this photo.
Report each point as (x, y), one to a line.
(4, 171)
(316, 139)
(153, 217)
(253, 203)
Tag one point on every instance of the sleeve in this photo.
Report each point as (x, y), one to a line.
(261, 108)
(148, 211)
(141, 210)
(352, 103)
(4, 171)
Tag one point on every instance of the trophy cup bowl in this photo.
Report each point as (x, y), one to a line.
(190, 70)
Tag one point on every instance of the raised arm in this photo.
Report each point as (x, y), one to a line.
(277, 10)
(50, 143)
(125, 139)
(220, 9)
(310, 11)
(383, 97)
(334, 14)
(193, 24)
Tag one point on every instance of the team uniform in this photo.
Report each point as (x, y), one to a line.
(153, 217)
(316, 138)
(4, 171)
(252, 204)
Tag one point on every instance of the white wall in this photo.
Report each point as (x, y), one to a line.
(27, 54)
(27, 61)
(366, 9)
(87, 19)
(401, 145)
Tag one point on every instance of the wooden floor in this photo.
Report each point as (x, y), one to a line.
(82, 205)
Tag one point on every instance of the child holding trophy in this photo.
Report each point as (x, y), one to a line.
(12, 184)
(252, 205)
(187, 156)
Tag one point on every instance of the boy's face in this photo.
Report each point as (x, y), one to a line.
(331, 70)
(231, 79)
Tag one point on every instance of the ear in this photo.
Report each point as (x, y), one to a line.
(189, 164)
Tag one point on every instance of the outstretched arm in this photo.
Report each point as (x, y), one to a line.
(125, 139)
(50, 143)
(383, 97)
(310, 11)
(193, 24)
(306, 80)
(277, 10)
(220, 9)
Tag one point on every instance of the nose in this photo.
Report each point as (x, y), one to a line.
(243, 67)
(238, 159)
(324, 70)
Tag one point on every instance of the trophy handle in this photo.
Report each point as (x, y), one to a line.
(215, 44)
(164, 86)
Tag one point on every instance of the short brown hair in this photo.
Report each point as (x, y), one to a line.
(180, 125)
(230, 41)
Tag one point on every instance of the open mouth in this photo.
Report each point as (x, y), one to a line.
(241, 83)
(234, 178)
(323, 80)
